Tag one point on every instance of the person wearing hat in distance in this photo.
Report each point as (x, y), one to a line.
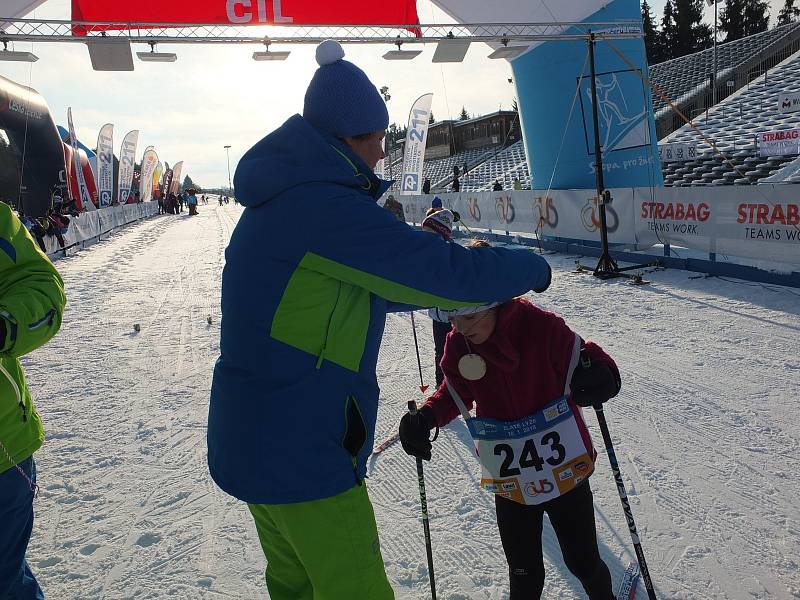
(439, 221)
(526, 372)
(312, 268)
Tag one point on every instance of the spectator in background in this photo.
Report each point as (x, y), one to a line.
(497, 186)
(395, 207)
(426, 186)
(456, 185)
(191, 202)
(517, 183)
(31, 305)
(455, 172)
(436, 202)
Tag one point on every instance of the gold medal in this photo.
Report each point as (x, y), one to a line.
(472, 367)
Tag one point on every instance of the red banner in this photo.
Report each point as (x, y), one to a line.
(243, 12)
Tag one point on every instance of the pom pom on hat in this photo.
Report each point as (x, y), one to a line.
(441, 222)
(341, 100)
(328, 52)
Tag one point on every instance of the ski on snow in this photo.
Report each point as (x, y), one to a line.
(630, 579)
(386, 443)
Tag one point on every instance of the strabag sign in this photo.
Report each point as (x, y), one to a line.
(779, 143)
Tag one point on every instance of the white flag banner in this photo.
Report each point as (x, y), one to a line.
(86, 198)
(149, 163)
(127, 158)
(176, 178)
(416, 138)
(105, 164)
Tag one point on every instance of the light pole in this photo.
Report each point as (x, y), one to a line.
(388, 146)
(714, 68)
(228, 153)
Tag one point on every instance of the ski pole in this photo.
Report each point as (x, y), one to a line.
(412, 409)
(422, 386)
(623, 497)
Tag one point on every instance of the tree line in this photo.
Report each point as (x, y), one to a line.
(682, 31)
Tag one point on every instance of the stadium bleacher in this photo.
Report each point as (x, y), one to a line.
(682, 76)
(733, 125)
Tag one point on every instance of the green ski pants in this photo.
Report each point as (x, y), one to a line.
(324, 549)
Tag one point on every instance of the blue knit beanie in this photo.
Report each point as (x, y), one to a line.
(340, 98)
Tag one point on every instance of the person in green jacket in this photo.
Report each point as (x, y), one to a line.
(31, 305)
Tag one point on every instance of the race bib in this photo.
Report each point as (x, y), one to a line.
(534, 459)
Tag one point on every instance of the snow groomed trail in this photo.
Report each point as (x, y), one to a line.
(706, 429)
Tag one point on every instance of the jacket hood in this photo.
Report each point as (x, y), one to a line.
(298, 153)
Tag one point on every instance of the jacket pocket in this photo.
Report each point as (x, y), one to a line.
(355, 431)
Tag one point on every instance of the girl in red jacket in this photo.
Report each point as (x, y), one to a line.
(526, 373)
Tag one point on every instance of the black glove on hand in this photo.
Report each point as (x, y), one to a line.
(415, 433)
(593, 384)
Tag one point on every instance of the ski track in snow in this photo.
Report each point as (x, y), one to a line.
(705, 427)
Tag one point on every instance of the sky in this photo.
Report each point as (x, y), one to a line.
(214, 96)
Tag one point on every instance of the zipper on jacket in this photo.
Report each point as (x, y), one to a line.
(322, 352)
(18, 393)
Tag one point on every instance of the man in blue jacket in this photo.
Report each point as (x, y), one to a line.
(312, 268)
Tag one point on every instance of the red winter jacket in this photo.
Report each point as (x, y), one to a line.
(527, 357)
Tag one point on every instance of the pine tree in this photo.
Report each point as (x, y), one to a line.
(651, 38)
(668, 35)
(691, 34)
(741, 18)
(789, 13)
(464, 115)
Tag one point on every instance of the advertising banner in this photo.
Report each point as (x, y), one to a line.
(553, 83)
(176, 177)
(127, 158)
(105, 165)
(167, 182)
(760, 222)
(83, 191)
(149, 162)
(416, 138)
(244, 12)
(779, 143)
(789, 102)
(676, 152)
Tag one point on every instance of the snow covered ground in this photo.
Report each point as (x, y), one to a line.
(706, 427)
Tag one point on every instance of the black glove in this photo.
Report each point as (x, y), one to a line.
(415, 431)
(594, 384)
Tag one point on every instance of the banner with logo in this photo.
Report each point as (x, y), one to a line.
(105, 164)
(149, 162)
(749, 221)
(166, 182)
(157, 176)
(557, 122)
(779, 143)
(176, 177)
(85, 197)
(243, 12)
(789, 102)
(416, 138)
(676, 152)
(127, 158)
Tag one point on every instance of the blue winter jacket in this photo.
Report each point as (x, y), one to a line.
(312, 268)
